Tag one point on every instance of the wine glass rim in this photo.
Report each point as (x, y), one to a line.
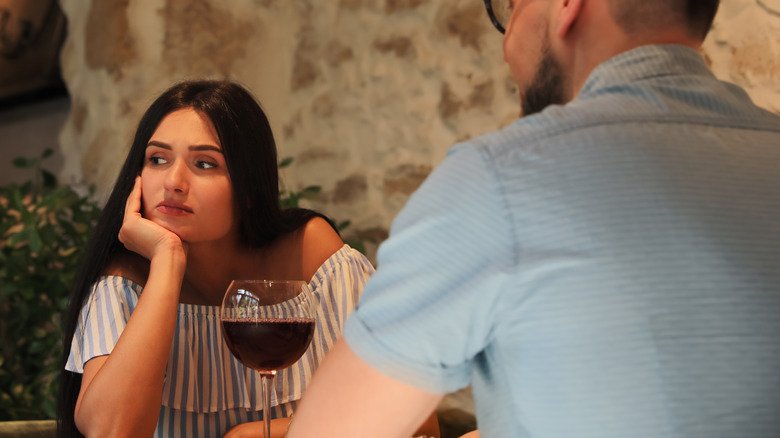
(254, 280)
(253, 287)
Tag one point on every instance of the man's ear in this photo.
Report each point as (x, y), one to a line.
(568, 12)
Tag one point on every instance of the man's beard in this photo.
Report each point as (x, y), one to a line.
(546, 88)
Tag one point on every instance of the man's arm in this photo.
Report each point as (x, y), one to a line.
(349, 398)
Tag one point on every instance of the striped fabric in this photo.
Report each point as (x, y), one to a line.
(609, 268)
(207, 390)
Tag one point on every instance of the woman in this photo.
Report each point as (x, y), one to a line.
(195, 206)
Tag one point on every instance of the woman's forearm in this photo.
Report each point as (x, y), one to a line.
(121, 394)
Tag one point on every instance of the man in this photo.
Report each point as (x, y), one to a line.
(606, 266)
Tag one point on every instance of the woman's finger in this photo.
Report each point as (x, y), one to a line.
(133, 204)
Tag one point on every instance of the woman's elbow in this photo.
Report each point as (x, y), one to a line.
(108, 423)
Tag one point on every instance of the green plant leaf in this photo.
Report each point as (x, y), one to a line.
(291, 201)
(9, 290)
(310, 192)
(50, 408)
(23, 163)
(17, 199)
(35, 240)
(49, 180)
(48, 152)
(17, 238)
(286, 162)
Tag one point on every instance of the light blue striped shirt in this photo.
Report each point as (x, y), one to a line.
(605, 269)
(207, 390)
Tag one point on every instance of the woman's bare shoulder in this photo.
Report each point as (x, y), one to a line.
(318, 233)
(319, 241)
(299, 254)
(129, 265)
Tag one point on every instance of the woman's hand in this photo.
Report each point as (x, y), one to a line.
(245, 430)
(143, 236)
(255, 429)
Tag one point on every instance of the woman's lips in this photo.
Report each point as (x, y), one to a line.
(173, 208)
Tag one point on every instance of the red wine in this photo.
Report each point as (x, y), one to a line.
(268, 344)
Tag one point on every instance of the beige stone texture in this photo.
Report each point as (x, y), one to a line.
(744, 48)
(366, 95)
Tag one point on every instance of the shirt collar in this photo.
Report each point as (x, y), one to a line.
(644, 62)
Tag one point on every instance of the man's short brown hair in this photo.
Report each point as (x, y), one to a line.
(635, 16)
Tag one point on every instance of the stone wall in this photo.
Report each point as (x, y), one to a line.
(744, 48)
(366, 95)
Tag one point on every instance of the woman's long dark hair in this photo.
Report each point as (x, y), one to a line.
(250, 152)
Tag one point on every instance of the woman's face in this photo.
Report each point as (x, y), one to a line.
(185, 183)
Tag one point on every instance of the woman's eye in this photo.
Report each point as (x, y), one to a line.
(206, 165)
(157, 160)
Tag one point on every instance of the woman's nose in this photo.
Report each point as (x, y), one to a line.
(176, 178)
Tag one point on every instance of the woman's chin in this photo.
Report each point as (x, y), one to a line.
(182, 233)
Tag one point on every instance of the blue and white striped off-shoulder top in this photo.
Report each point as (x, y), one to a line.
(207, 391)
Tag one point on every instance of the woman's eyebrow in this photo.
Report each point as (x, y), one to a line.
(197, 147)
(205, 147)
(159, 145)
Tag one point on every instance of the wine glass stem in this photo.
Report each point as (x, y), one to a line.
(268, 386)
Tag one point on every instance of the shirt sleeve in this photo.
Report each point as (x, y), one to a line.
(102, 320)
(427, 313)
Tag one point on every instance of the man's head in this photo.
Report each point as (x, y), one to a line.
(551, 46)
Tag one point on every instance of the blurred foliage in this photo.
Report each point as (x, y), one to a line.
(44, 228)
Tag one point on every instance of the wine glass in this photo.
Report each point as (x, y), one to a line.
(268, 325)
